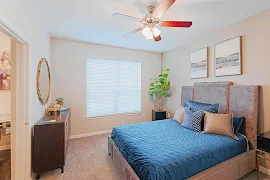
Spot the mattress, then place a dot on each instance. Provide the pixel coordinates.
(164, 150)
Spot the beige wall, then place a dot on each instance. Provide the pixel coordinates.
(5, 45)
(256, 62)
(69, 81)
(22, 16)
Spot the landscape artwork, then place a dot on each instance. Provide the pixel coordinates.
(5, 70)
(199, 63)
(228, 57)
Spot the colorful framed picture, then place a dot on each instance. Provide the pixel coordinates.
(228, 57)
(198, 63)
(5, 70)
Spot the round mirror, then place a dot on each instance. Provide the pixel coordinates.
(43, 81)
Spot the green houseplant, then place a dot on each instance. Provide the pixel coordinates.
(160, 86)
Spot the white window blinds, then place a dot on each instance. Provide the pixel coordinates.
(113, 87)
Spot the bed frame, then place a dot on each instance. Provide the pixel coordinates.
(236, 99)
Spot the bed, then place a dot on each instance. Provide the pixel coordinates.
(166, 150)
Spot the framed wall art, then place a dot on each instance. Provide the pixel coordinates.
(5, 70)
(228, 57)
(198, 63)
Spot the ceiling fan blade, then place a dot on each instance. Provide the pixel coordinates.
(184, 24)
(162, 8)
(157, 38)
(133, 32)
(127, 17)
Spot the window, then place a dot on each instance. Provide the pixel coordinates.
(112, 87)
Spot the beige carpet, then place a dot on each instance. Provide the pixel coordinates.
(87, 159)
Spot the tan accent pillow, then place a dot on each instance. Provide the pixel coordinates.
(179, 114)
(220, 124)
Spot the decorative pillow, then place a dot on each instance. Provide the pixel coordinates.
(220, 124)
(192, 120)
(185, 105)
(179, 114)
(237, 123)
(195, 106)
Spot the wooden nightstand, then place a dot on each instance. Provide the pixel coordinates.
(158, 115)
(263, 149)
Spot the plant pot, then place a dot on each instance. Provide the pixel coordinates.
(60, 103)
(158, 115)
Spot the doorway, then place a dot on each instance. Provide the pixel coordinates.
(15, 118)
(5, 107)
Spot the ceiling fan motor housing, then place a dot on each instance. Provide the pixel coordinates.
(149, 20)
(151, 8)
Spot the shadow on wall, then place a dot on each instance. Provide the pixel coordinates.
(155, 102)
(165, 100)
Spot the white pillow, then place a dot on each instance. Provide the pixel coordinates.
(179, 114)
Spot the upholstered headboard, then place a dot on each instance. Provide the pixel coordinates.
(186, 94)
(213, 93)
(244, 102)
(240, 100)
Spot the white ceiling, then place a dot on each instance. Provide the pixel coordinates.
(92, 21)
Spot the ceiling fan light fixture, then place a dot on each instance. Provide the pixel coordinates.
(149, 37)
(147, 32)
(151, 21)
(156, 31)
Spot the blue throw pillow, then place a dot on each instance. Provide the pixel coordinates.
(237, 123)
(192, 120)
(185, 105)
(195, 106)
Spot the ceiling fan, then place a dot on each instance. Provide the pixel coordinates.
(152, 20)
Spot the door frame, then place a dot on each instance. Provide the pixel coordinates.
(20, 108)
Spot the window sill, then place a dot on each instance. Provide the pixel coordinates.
(114, 115)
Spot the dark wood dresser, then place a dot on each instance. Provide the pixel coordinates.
(50, 142)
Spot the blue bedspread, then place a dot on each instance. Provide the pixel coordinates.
(164, 150)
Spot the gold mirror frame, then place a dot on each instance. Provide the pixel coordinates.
(41, 100)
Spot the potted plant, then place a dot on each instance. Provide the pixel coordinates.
(60, 101)
(160, 86)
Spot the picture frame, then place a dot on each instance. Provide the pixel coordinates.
(228, 57)
(5, 70)
(199, 63)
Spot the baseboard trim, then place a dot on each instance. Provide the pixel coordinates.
(89, 134)
(265, 170)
